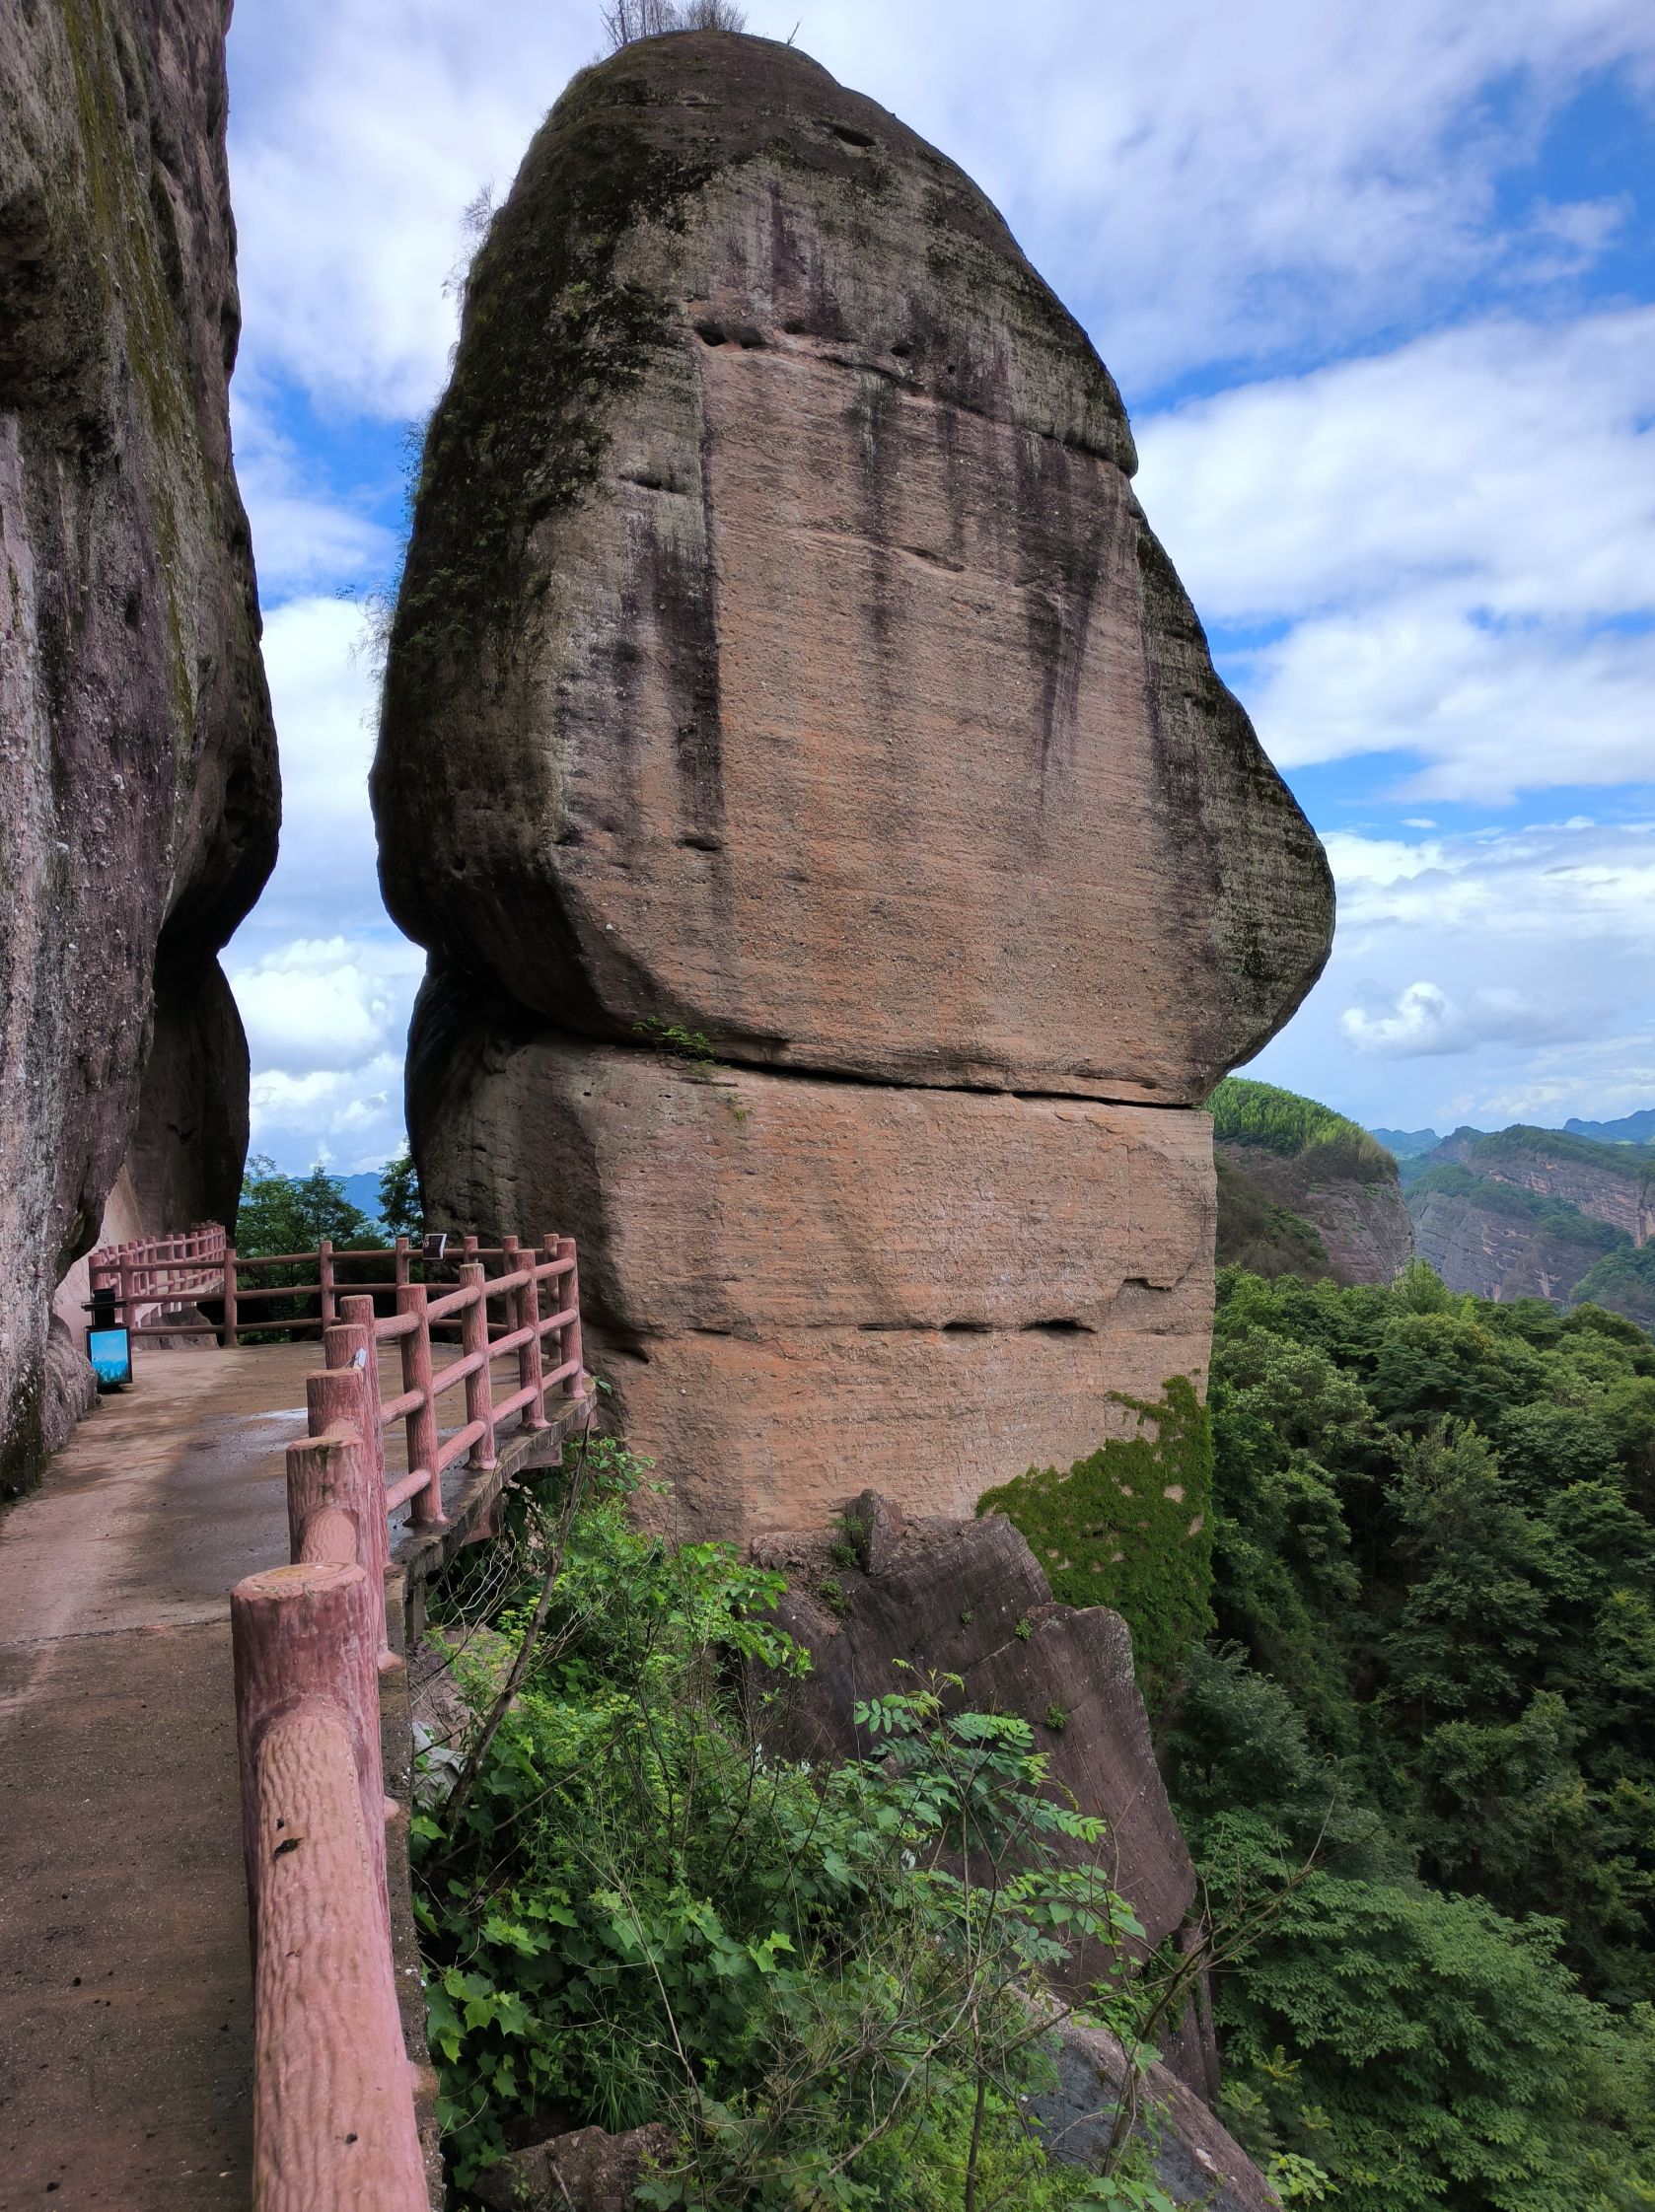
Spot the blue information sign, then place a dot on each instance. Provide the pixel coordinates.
(110, 1352)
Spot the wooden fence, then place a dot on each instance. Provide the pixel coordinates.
(335, 2126)
(165, 1275)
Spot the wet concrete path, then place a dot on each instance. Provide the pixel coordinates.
(126, 2028)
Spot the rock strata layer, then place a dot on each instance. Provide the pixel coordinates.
(785, 672)
(790, 1281)
(138, 795)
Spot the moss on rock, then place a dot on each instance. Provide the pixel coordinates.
(1130, 1526)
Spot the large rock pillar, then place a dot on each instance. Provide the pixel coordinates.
(843, 870)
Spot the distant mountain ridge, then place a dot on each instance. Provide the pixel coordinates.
(1632, 1128)
(1527, 1212)
(1405, 1144)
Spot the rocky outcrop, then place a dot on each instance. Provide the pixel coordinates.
(1197, 2161)
(785, 674)
(886, 1600)
(587, 2171)
(137, 776)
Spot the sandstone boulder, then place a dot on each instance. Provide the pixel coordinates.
(587, 2171)
(798, 1287)
(968, 1597)
(782, 651)
(137, 773)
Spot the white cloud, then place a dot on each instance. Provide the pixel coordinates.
(300, 539)
(1199, 183)
(350, 1120)
(319, 658)
(324, 983)
(1459, 537)
(327, 1004)
(1422, 1020)
(1521, 959)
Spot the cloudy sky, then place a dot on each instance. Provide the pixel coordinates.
(1379, 286)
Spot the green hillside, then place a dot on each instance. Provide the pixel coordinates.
(1419, 1744)
(1303, 1191)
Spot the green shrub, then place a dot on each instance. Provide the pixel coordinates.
(638, 1912)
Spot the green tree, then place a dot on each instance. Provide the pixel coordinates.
(401, 1209)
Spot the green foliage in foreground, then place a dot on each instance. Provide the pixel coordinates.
(1130, 1526)
(1248, 1113)
(818, 1978)
(1434, 1577)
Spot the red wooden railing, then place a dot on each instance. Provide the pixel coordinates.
(161, 1274)
(334, 2124)
(158, 1272)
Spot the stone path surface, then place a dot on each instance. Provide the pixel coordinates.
(126, 2028)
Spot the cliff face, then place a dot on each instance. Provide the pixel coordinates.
(785, 675)
(1612, 1183)
(138, 792)
(1539, 1213)
(1302, 1191)
(1499, 1241)
(1360, 1224)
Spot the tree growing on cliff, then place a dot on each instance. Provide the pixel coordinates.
(627, 20)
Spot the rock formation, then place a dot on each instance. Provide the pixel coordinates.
(138, 796)
(969, 1596)
(1310, 1217)
(840, 865)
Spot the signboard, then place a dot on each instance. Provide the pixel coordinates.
(110, 1352)
(435, 1243)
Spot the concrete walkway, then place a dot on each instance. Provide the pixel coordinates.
(126, 2033)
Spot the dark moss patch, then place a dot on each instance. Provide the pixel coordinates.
(552, 337)
(1130, 1526)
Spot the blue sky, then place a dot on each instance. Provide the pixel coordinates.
(1378, 288)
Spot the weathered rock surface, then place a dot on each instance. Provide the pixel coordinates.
(587, 2171)
(1497, 1241)
(928, 1592)
(782, 650)
(138, 798)
(1197, 2159)
(1614, 1183)
(797, 1286)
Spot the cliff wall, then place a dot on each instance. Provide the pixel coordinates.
(842, 868)
(138, 791)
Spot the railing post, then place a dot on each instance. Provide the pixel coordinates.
(228, 1333)
(334, 2115)
(426, 1511)
(127, 1305)
(325, 1280)
(353, 1334)
(571, 1347)
(479, 1384)
(399, 1264)
(530, 1370)
(338, 1406)
(306, 1632)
